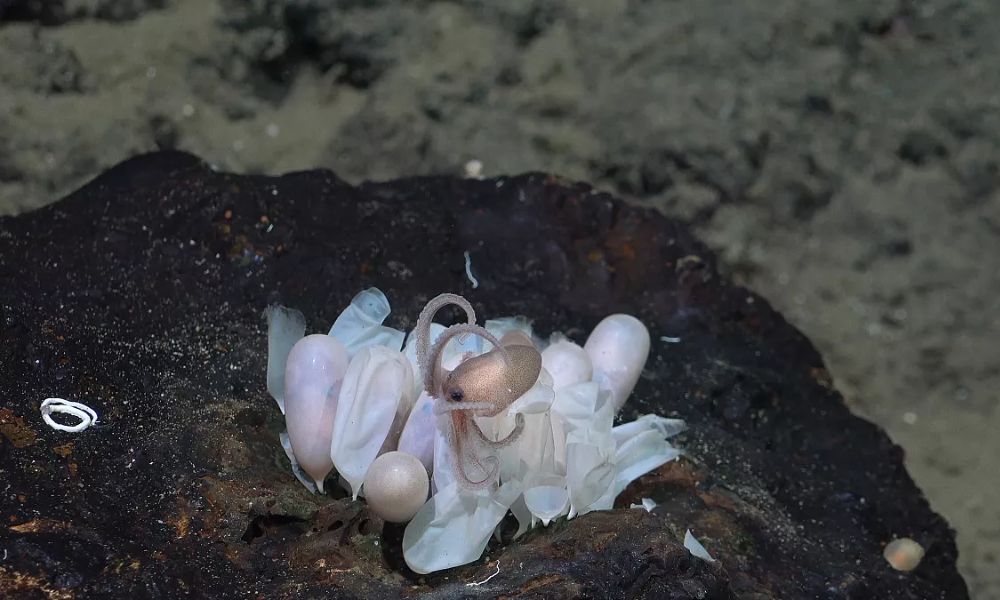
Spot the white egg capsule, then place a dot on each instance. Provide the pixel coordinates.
(417, 438)
(313, 376)
(373, 405)
(396, 486)
(567, 363)
(618, 348)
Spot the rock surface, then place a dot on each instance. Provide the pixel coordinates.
(142, 295)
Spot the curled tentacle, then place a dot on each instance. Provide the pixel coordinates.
(510, 439)
(423, 332)
(461, 454)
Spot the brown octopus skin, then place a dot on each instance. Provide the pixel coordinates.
(483, 386)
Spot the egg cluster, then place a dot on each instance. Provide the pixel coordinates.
(354, 402)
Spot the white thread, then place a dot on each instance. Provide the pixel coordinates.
(476, 583)
(468, 270)
(670, 340)
(83, 412)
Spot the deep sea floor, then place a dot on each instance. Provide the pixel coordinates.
(843, 158)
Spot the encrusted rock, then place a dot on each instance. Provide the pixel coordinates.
(142, 295)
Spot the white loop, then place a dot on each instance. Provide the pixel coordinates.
(83, 412)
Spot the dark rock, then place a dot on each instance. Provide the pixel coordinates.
(142, 294)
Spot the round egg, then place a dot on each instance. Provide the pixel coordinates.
(396, 486)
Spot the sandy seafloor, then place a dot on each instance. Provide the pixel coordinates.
(842, 157)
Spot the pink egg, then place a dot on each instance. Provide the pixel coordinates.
(618, 348)
(313, 376)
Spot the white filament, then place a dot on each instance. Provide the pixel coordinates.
(468, 270)
(83, 412)
(478, 583)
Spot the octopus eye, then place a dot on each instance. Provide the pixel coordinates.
(457, 395)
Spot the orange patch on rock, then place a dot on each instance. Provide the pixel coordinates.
(14, 584)
(40, 526)
(63, 450)
(15, 429)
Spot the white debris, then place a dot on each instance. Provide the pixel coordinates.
(695, 548)
(647, 503)
(478, 583)
(468, 271)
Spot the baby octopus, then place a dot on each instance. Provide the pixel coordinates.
(481, 386)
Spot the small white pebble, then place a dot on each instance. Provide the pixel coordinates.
(272, 130)
(187, 110)
(474, 169)
(910, 418)
(903, 554)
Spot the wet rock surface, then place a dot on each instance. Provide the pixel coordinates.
(142, 296)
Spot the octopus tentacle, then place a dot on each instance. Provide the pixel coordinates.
(443, 406)
(460, 424)
(423, 331)
(510, 439)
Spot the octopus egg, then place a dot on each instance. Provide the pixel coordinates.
(417, 438)
(567, 363)
(618, 348)
(396, 486)
(313, 376)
